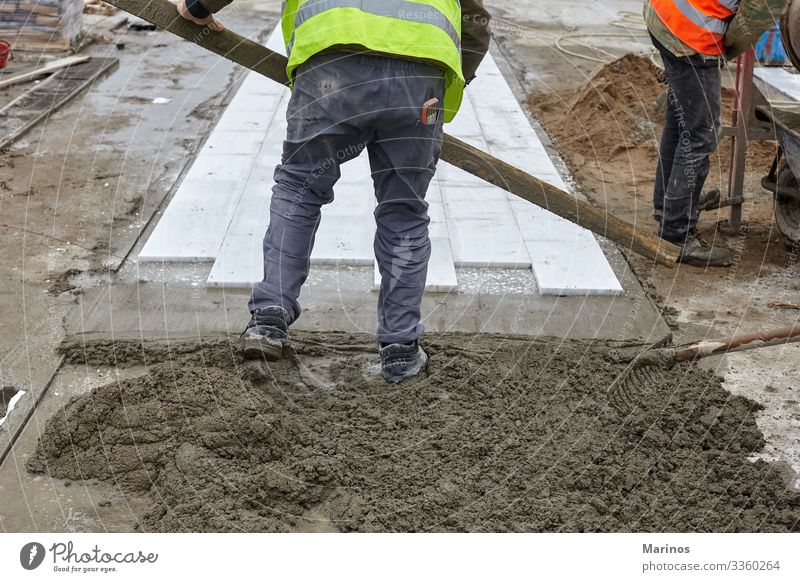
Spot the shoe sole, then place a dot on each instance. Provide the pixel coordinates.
(694, 263)
(408, 374)
(255, 349)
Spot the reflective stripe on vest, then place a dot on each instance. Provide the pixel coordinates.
(400, 9)
(700, 24)
(425, 30)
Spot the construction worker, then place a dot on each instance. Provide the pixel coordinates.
(695, 37)
(689, 36)
(380, 75)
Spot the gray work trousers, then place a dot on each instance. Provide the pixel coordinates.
(690, 136)
(341, 104)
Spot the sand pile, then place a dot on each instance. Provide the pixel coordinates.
(613, 112)
(504, 434)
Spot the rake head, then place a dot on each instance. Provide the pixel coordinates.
(645, 370)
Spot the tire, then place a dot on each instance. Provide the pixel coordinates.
(787, 208)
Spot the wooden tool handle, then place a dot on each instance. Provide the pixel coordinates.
(270, 64)
(739, 343)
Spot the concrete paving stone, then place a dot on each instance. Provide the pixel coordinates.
(344, 239)
(465, 125)
(448, 174)
(234, 142)
(252, 212)
(488, 241)
(193, 227)
(257, 84)
(218, 166)
(195, 222)
(240, 263)
(540, 225)
(462, 199)
(258, 105)
(510, 137)
(480, 218)
(240, 120)
(572, 268)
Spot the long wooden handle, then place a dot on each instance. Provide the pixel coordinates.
(738, 343)
(273, 65)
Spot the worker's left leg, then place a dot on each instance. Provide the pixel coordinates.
(403, 159)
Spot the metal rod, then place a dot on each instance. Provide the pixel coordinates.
(742, 112)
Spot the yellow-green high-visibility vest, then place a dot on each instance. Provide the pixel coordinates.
(428, 30)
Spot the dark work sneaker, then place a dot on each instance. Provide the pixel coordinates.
(696, 251)
(266, 334)
(400, 362)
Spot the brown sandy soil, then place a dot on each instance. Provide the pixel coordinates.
(505, 434)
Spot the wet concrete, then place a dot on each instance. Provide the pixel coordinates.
(501, 434)
(45, 503)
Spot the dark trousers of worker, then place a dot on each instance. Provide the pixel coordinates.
(342, 104)
(690, 136)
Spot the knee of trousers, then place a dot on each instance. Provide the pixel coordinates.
(403, 255)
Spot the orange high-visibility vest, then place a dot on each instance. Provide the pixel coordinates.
(700, 24)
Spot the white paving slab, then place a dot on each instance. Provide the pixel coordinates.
(572, 268)
(551, 241)
(781, 79)
(240, 263)
(195, 222)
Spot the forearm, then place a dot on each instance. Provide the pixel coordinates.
(475, 36)
(752, 19)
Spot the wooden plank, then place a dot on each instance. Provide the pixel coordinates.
(48, 68)
(36, 104)
(262, 60)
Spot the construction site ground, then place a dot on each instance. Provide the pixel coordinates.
(147, 419)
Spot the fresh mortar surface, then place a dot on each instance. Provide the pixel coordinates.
(504, 434)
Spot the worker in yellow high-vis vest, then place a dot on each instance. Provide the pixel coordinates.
(380, 75)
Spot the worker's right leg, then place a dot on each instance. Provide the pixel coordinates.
(403, 159)
(694, 93)
(320, 137)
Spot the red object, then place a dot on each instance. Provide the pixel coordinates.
(429, 111)
(5, 53)
(701, 24)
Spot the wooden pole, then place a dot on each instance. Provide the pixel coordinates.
(739, 343)
(258, 58)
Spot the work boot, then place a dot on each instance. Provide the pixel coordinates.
(709, 200)
(266, 334)
(399, 362)
(696, 251)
